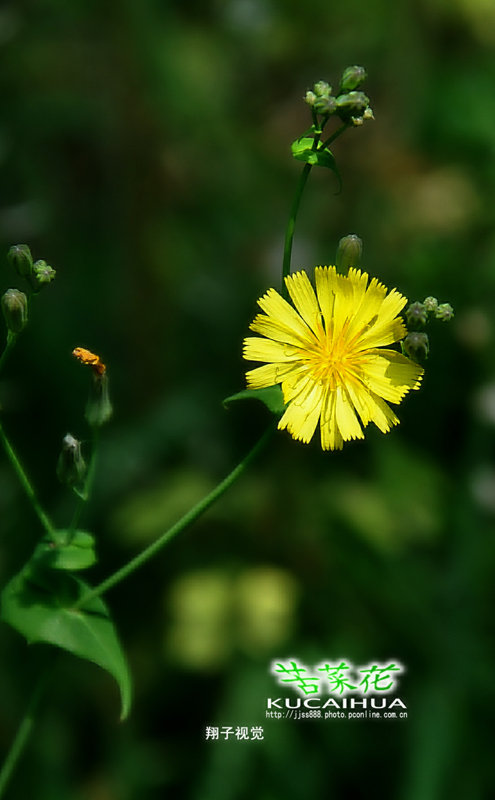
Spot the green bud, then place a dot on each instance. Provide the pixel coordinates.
(42, 275)
(325, 105)
(349, 252)
(444, 312)
(98, 408)
(431, 304)
(310, 98)
(352, 78)
(352, 105)
(19, 257)
(322, 89)
(416, 314)
(15, 310)
(71, 466)
(416, 345)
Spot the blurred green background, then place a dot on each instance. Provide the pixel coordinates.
(144, 152)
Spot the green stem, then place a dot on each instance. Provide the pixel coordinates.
(11, 340)
(25, 482)
(179, 526)
(88, 485)
(23, 733)
(291, 225)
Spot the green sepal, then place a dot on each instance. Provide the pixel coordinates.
(64, 552)
(302, 150)
(272, 397)
(39, 603)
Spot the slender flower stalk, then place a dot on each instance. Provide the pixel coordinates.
(84, 495)
(23, 732)
(184, 522)
(289, 234)
(25, 482)
(291, 224)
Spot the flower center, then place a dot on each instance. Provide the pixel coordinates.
(330, 361)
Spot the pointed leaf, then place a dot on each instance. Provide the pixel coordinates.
(39, 603)
(79, 553)
(272, 397)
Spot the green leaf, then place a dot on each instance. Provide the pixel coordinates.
(272, 397)
(79, 553)
(39, 604)
(302, 149)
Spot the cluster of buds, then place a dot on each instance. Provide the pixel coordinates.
(14, 302)
(350, 104)
(416, 344)
(38, 274)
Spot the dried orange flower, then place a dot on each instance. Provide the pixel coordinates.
(87, 357)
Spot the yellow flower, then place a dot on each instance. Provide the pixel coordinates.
(327, 354)
(87, 357)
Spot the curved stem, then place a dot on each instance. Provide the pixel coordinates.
(23, 733)
(25, 482)
(179, 526)
(289, 233)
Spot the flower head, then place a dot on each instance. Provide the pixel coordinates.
(87, 357)
(328, 353)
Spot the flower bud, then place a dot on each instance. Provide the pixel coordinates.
(352, 104)
(431, 304)
(416, 314)
(98, 408)
(42, 275)
(352, 78)
(71, 466)
(15, 310)
(322, 89)
(349, 252)
(444, 312)
(19, 257)
(416, 345)
(310, 98)
(325, 105)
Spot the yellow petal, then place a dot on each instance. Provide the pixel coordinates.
(303, 296)
(302, 415)
(389, 374)
(380, 334)
(366, 315)
(273, 329)
(330, 434)
(371, 408)
(267, 375)
(345, 416)
(325, 280)
(280, 311)
(256, 349)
